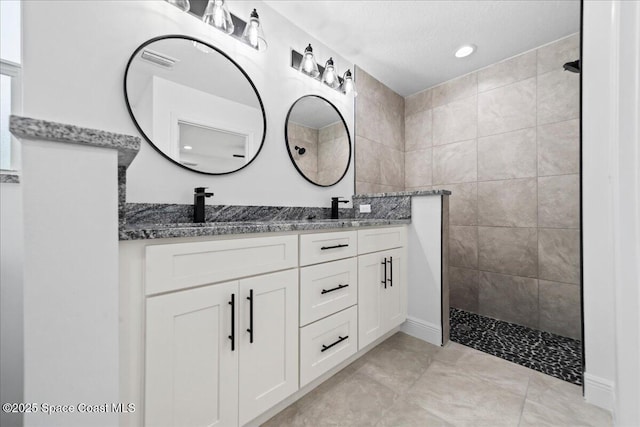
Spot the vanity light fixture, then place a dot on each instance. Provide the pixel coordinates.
(217, 14)
(330, 77)
(348, 85)
(306, 64)
(253, 33)
(465, 50)
(183, 5)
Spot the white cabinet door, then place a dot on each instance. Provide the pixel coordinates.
(268, 341)
(382, 294)
(394, 300)
(370, 294)
(191, 369)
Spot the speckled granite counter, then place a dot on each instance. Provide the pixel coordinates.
(28, 128)
(9, 178)
(390, 205)
(162, 231)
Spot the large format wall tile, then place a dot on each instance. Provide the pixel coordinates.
(367, 160)
(456, 121)
(508, 250)
(510, 298)
(506, 72)
(559, 255)
(417, 165)
(509, 203)
(374, 90)
(507, 155)
(463, 288)
(463, 246)
(560, 308)
(455, 163)
(363, 187)
(507, 108)
(417, 131)
(558, 96)
(418, 102)
(462, 87)
(559, 201)
(463, 203)
(553, 56)
(559, 148)
(392, 167)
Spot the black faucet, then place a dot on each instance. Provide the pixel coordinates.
(334, 206)
(198, 203)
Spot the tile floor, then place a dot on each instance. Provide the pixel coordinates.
(407, 382)
(545, 352)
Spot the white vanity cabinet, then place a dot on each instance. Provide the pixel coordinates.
(222, 353)
(382, 286)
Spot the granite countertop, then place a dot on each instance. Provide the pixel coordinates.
(162, 231)
(28, 128)
(405, 193)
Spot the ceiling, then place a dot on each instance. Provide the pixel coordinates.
(409, 45)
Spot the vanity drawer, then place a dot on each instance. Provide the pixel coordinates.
(323, 247)
(327, 288)
(326, 343)
(380, 239)
(182, 265)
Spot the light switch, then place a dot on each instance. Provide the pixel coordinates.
(365, 208)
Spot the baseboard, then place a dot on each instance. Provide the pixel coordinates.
(425, 331)
(599, 391)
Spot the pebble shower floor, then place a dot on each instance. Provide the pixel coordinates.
(545, 352)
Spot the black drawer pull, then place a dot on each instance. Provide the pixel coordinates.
(390, 279)
(250, 330)
(384, 279)
(324, 248)
(232, 337)
(327, 347)
(326, 291)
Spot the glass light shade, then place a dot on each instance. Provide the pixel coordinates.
(253, 33)
(348, 86)
(217, 14)
(183, 5)
(308, 64)
(330, 77)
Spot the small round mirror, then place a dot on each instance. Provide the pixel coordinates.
(318, 140)
(194, 105)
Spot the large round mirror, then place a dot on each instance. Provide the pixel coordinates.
(194, 104)
(318, 140)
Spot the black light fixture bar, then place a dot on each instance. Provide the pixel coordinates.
(296, 59)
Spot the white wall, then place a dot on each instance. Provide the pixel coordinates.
(611, 206)
(11, 299)
(75, 54)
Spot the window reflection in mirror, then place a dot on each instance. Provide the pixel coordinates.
(318, 140)
(184, 93)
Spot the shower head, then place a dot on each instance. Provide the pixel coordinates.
(573, 66)
(300, 150)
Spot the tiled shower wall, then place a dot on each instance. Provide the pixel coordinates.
(379, 137)
(505, 141)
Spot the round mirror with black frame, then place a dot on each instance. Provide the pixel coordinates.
(194, 104)
(318, 140)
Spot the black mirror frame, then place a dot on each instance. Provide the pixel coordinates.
(286, 140)
(144, 135)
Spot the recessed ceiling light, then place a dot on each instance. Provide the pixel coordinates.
(465, 50)
(187, 147)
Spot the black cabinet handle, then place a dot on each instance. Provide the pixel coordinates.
(327, 347)
(250, 330)
(390, 279)
(326, 291)
(232, 337)
(324, 248)
(384, 279)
